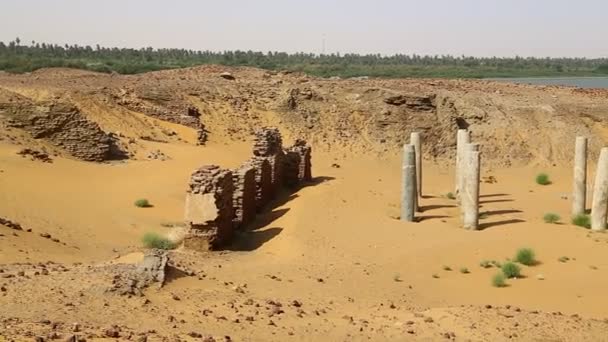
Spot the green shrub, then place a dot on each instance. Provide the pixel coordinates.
(436, 276)
(450, 195)
(153, 240)
(543, 179)
(511, 270)
(464, 270)
(525, 256)
(499, 280)
(485, 264)
(447, 268)
(582, 220)
(496, 263)
(551, 218)
(142, 203)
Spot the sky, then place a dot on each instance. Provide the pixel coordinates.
(505, 28)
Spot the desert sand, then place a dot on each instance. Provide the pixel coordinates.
(330, 261)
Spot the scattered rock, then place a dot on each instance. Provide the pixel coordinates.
(227, 76)
(35, 155)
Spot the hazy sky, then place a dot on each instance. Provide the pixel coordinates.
(471, 27)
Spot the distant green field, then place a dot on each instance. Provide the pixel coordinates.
(17, 58)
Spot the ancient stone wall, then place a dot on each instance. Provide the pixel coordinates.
(269, 144)
(209, 209)
(305, 166)
(219, 201)
(291, 169)
(244, 196)
(263, 181)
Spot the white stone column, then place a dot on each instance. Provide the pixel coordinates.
(470, 190)
(599, 204)
(416, 140)
(579, 192)
(408, 191)
(463, 137)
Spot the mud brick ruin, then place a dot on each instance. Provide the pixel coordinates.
(269, 144)
(304, 166)
(263, 182)
(291, 169)
(209, 210)
(219, 201)
(244, 196)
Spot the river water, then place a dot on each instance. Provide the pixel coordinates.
(581, 82)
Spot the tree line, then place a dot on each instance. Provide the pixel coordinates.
(17, 57)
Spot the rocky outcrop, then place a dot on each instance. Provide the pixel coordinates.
(62, 125)
(133, 279)
(160, 103)
(10, 224)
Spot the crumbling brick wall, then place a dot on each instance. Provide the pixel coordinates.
(263, 181)
(220, 200)
(268, 144)
(209, 208)
(291, 169)
(305, 152)
(244, 196)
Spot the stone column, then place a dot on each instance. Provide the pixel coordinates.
(462, 139)
(416, 140)
(599, 205)
(408, 191)
(579, 192)
(470, 188)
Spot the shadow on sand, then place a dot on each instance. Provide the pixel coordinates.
(251, 240)
(487, 225)
(256, 234)
(435, 206)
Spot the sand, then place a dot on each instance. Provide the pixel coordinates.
(336, 246)
(328, 262)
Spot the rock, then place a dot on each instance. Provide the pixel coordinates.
(63, 125)
(112, 332)
(157, 155)
(35, 155)
(227, 76)
(71, 338)
(10, 224)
